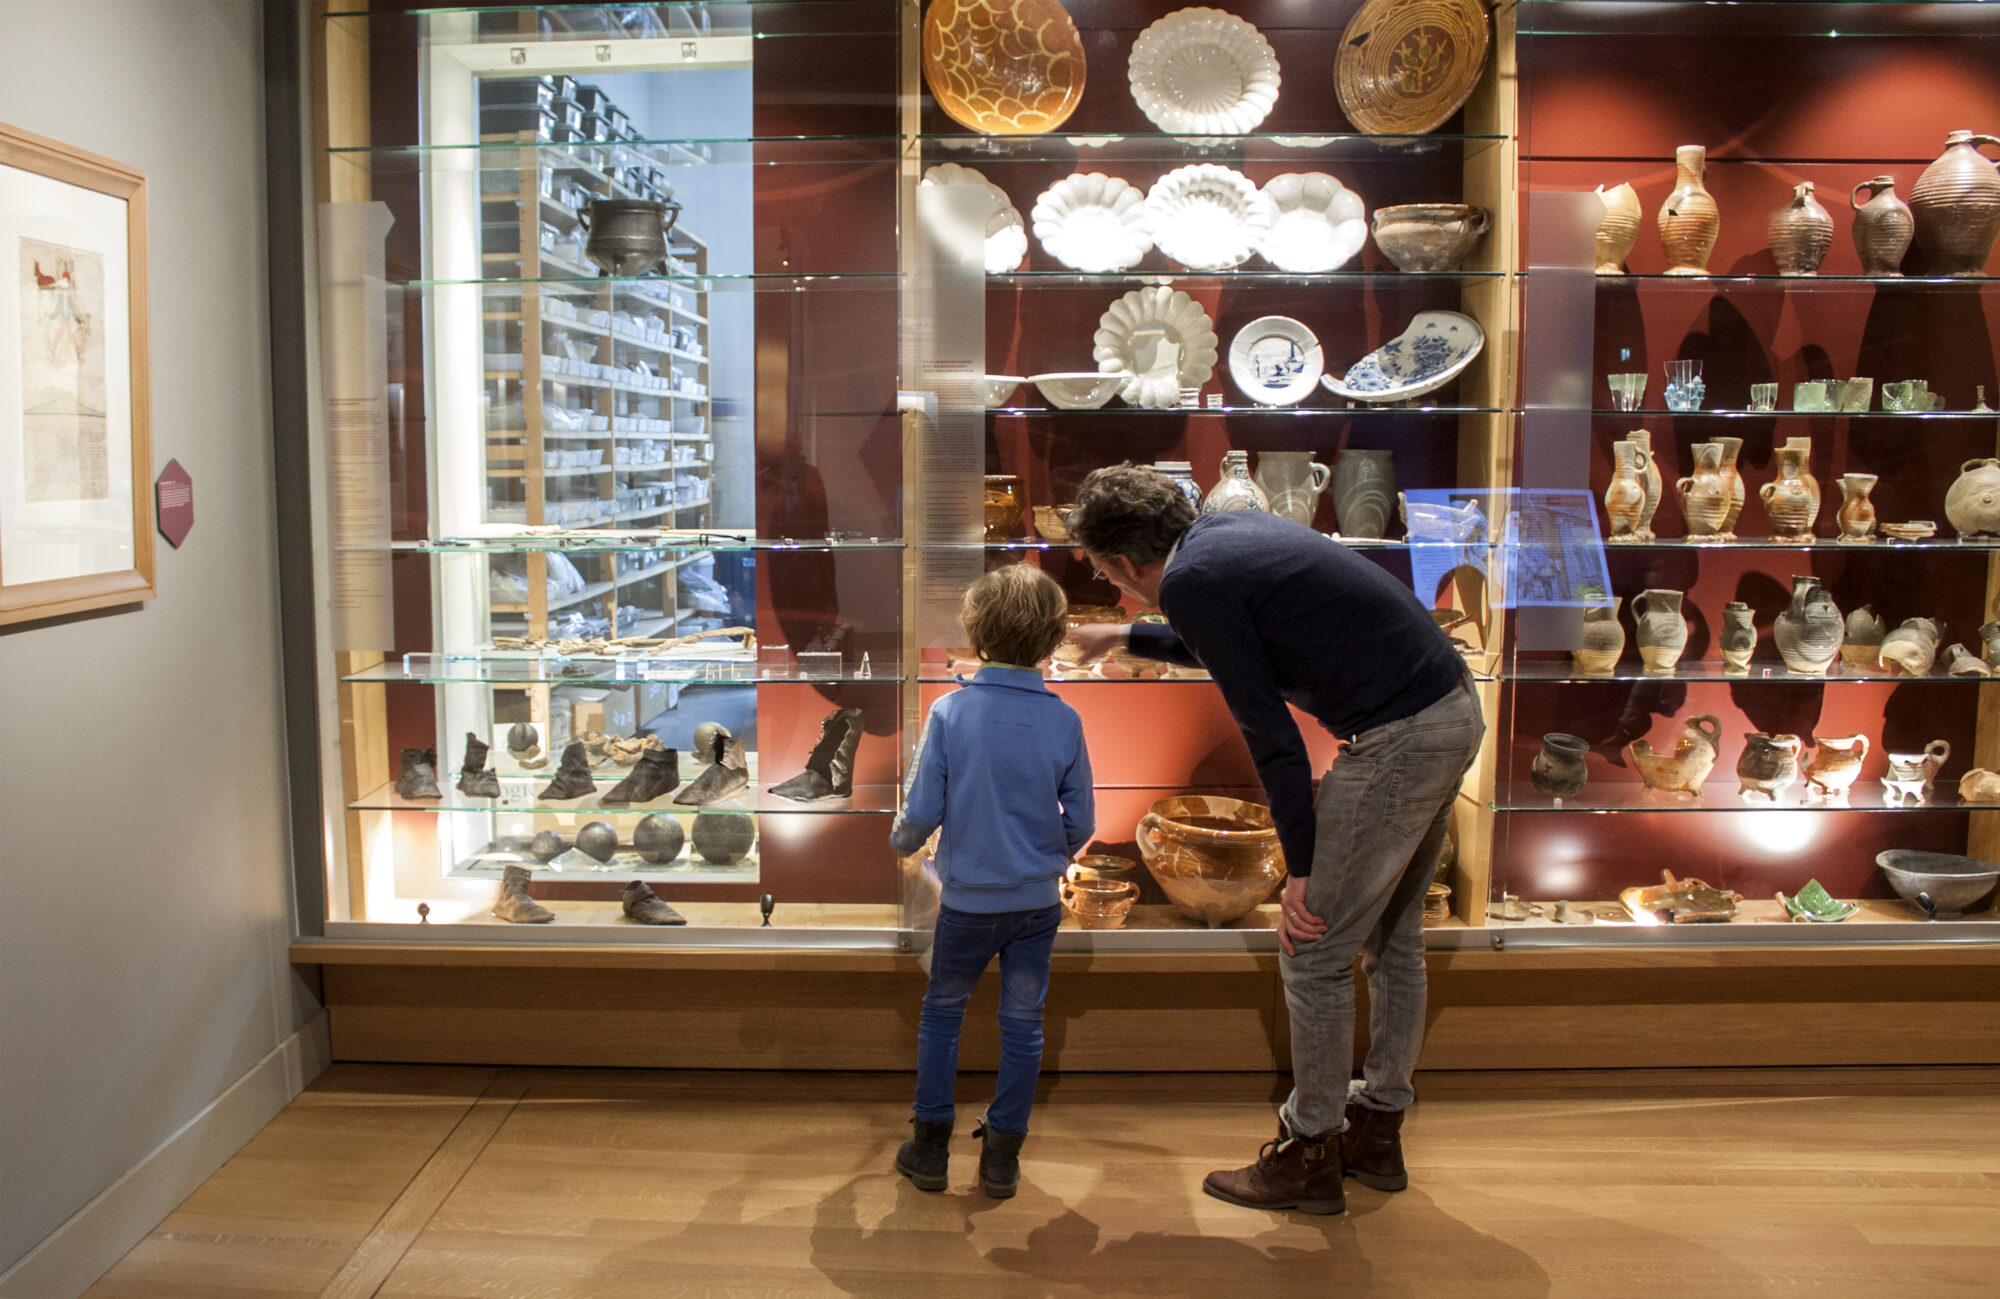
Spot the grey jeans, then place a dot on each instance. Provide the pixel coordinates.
(1383, 810)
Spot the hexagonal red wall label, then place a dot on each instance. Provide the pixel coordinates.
(173, 500)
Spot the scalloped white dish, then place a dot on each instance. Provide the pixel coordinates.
(1094, 223)
(1006, 232)
(1207, 217)
(1157, 341)
(1426, 356)
(1077, 389)
(1276, 361)
(1202, 71)
(1317, 223)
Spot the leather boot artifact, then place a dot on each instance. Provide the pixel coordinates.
(999, 1160)
(925, 1158)
(572, 778)
(829, 770)
(514, 905)
(659, 770)
(475, 779)
(1371, 1149)
(1291, 1172)
(417, 776)
(647, 907)
(728, 773)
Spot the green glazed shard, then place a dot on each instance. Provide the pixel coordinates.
(1813, 903)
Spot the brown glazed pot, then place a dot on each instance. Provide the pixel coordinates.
(1883, 226)
(1429, 236)
(1956, 203)
(1217, 859)
(1800, 233)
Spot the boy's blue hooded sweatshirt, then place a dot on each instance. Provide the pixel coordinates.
(1002, 766)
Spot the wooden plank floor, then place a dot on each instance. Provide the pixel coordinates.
(533, 1184)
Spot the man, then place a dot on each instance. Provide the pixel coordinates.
(1277, 613)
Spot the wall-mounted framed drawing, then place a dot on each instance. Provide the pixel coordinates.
(75, 452)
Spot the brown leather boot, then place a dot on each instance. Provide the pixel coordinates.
(1372, 1148)
(1291, 1172)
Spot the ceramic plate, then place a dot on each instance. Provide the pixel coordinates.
(1202, 71)
(1275, 360)
(1405, 66)
(1159, 340)
(1004, 67)
(1423, 358)
(1317, 224)
(1006, 233)
(1207, 218)
(1094, 223)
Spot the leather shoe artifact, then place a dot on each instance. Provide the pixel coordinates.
(647, 907)
(417, 776)
(829, 770)
(475, 778)
(1291, 1172)
(572, 778)
(728, 772)
(659, 770)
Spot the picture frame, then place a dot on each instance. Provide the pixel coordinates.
(76, 520)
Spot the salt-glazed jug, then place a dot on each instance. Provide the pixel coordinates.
(1733, 478)
(1234, 488)
(1619, 229)
(1883, 226)
(1705, 494)
(1769, 765)
(1792, 498)
(1689, 219)
(1808, 633)
(1800, 233)
(1973, 503)
(1956, 203)
(1601, 643)
(1292, 481)
(1738, 638)
(1625, 496)
(1663, 632)
(1682, 769)
(1364, 482)
(1857, 512)
(1643, 439)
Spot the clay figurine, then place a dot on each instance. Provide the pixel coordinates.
(1692, 758)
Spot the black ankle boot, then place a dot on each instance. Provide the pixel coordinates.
(647, 907)
(829, 770)
(659, 770)
(728, 772)
(925, 1158)
(572, 778)
(1371, 1148)
(417, 776)
(999, 1160)
(474, 779)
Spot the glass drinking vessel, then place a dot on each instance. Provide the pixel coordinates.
(1911, 394)
(1627, 390)
(1816, 395)
(1855, 394)
(1763, 396)
(1684, 386)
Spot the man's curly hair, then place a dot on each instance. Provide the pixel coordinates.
(1129, 510)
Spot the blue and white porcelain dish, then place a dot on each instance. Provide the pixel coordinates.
(1276, 361)
(1426, 356)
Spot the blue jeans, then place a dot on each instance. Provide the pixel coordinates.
(965, 942)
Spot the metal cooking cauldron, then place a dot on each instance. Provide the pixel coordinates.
(628, 236)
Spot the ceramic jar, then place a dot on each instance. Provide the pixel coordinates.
(1705, 493)
(1989, 639)
(1619, 229)
(1863, 642)
(1181, 474)
(1560, 769)
(1800, 233)
(1769, 765)
(1857, 512)
(1731, 448)
(1911, 647)
(1428, 236)
(1682, 770)
(1216, 859)
(1234, 488)
(1808, 633)
(1625, 497)
(1883, 226)
(1956, 203)
(1792, 498)
(1662, 631)
(1292, 482)
(1602, 642)
(627, 236)
(1004, 505)
(1836, 761)
(1364, 482)
(1910, 775)
(1689, 219)
(1973, 503)
(1643, 439)
(1738, 639)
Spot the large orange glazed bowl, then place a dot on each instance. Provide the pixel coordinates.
(1216, 859)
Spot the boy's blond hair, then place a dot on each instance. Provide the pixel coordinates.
(1015, 614)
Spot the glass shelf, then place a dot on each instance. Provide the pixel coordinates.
(935, 676)
(595, 541)
(1718, 794)
(597, 159)
(1222, 279)
(1785, 281)
(574, 867)
(1802, 414)
(1561, 672)
(759, 282)
(1825, 544)
(519, 795)
(1258, 412)
(570, 9)
(1737, 19)
(1352, 543)
(496, 668)
(1151, 147)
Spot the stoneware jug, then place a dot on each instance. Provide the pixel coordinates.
(1769, 765)
(1689, 219)
(1912, 647)
(1973, 503)
(1883, 226)
(1559, 770)
(1800, 233)
(1619, 230)
(1663, 632)
(1234, 488)
(1603, 641)
(1731, 448)
(1181, 474)
(1705, 493)
(1792, 498)
(1364, 482)
(1682, 769)
(1808, 633)
(1863, 641)
(1292, 481)
(1857, 512)
(1956, 203)
(1643, 439)
(1738, 638)
(1836, 761)
(1625, 497)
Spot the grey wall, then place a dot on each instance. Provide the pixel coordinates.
(144, 887)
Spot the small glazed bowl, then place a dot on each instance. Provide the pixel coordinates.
(1103, 866)
(1049, 525)
(1077, 389)
(1429, 236)
(1099, 903)
(995, 389)
(1938, 885)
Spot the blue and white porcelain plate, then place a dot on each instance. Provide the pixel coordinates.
(1423, 358)
(1275, 360)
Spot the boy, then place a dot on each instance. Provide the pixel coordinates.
(1002, 767)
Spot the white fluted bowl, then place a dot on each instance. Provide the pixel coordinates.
(1203, 72)
(1158, 341)
(1317, 223)
(1006, 232)
(1093, 223)
(1207, 217)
